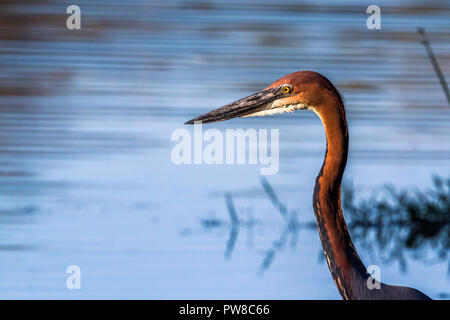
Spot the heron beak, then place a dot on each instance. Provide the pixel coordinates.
(243, 107)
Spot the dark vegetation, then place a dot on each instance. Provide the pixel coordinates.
(394, 222)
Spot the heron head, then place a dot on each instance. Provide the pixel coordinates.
(300, 90)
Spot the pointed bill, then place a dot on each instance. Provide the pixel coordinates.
(243, 107)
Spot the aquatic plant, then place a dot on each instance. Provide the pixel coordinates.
(394, 222)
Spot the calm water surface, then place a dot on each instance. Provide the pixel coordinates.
(86, 118)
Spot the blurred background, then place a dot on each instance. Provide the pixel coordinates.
(85, 171)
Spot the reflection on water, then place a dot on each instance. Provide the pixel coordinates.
(403, 222)
(234, 230)
(389, 225)
(290, 232)
(85, 124)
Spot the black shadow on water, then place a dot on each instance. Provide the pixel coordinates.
(234, 230)
(290, 232)
(390, 225)
(394, 223)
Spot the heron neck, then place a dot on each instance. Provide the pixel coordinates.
(347, 269)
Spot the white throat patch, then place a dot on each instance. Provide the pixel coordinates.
(275, 108)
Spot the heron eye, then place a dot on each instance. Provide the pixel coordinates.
(286, 89)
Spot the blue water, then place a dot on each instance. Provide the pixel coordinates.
(86, 118)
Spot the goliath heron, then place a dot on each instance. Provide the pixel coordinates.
(308, 90)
